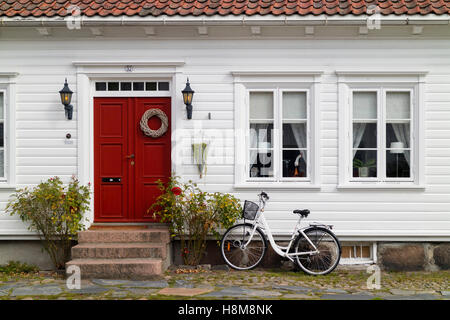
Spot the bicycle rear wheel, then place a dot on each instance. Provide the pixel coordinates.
(323, 262)
(240, 253)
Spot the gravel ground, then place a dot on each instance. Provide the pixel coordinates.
(342, 284)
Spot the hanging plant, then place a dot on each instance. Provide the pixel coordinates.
(199, 152)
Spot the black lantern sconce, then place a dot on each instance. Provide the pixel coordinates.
(188, 93)
(66, 97)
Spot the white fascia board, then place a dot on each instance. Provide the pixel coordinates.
(230, 20)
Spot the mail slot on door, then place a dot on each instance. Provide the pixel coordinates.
(110, 179)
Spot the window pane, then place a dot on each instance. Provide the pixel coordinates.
(261, 135)
(100, 86)
(397, 163)
(364, 163)
(138, 86)
(1, 105)
(261, 105)
(397, 135)
(294, 163)
(294, 105)
(150, 86)
(163, 86)
(364, 135)
(2, 163)
(294, 135)
(125, 86)
(2, 140)
(364, 105)
(261, 164)
(398, 105)
(113, 86)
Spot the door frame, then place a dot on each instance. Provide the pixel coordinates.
(88, 72)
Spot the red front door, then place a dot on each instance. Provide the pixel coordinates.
(128, 163)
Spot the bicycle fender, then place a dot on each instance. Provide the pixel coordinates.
(324, 227)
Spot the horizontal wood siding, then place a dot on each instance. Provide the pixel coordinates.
(41, 127)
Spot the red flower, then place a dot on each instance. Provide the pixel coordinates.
(176, 191)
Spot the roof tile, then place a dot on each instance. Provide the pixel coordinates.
(39, 8)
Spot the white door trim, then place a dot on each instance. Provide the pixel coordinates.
(89, 71)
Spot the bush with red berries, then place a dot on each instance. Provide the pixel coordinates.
(193, 215)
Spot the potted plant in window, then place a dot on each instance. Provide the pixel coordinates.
(363, 167)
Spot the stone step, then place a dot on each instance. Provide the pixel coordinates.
(119, 250)
(127, 225)
(118, 268)
(157, 235)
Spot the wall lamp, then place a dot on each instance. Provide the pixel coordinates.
(66, 97)
(188, 93)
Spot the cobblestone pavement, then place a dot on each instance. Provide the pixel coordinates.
(257, 284)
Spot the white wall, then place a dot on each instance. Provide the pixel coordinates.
(41, 127)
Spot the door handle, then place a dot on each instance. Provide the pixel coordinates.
(131, 156)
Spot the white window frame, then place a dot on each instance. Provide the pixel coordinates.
(8, 89)
(276, 82)
(5, 144)
(131, 93)
(381, 82)
(360, 260)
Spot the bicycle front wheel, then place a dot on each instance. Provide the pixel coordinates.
(239, 251)
(329, 251)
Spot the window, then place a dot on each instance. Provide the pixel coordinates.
(132, 86)
(2, 135)
(358, 253)
(382, 134)
(278, 111)
(380, 129)
(7, 132)
(276, 125)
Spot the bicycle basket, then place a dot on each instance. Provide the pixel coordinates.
(250, 210)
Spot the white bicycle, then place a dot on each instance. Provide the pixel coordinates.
(314, 248)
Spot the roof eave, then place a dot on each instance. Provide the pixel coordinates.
(270, 20)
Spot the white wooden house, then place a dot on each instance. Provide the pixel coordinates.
(291, 100)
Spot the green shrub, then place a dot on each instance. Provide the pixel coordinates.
(194, 214)
(17, 267)
(55, 211)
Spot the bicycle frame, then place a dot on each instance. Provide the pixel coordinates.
(280, 250)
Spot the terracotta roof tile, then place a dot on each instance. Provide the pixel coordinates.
(39, 8)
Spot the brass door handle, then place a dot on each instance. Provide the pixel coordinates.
(131, 156)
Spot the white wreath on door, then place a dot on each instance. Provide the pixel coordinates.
(164, 123)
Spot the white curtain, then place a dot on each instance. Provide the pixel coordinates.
(402, 134)
(259, 133)
(253, 143)
(358, 132)
(299, 132)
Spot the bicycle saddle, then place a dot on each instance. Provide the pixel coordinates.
(303, 213)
